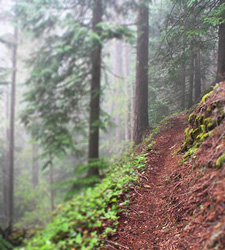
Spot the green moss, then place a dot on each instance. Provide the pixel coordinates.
(197, 132)
(202, 123)
(205, 97)
(191, 117)
(220, 161)
(201, 137)
(210, 123)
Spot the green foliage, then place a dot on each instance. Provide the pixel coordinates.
(4, 245)
(57, 100)
(157, 109)
(175, 40)
(85, 221)
(32, 206)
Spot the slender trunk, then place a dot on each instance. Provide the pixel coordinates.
(191, 80)
(203, 85)
(141, 122)
(12, 127)
(93, 152)
(6, 160)
(118, 65)
(203, 79)
(197, 77)
(221, 50)
(35, 167)
(51, 188)
(128, 96)
(132, 105)
(183, 85)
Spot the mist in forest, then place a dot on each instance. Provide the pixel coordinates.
(81, 82)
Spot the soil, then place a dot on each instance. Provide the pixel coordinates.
(174, 205)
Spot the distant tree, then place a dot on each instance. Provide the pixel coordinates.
(66, 73)
(141, 122)
(221, 48)
(35, 166)
(191, 78)
(12, 129)
(197, 76)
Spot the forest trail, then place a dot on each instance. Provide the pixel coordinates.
(147, 222)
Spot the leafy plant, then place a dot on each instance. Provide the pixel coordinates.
(4, 245)
(85, 221)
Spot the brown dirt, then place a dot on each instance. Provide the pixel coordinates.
(174, 206)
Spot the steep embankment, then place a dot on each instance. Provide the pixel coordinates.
(154, 199)
(181, 205)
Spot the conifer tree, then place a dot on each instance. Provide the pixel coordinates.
(12, 129)
(94, 123)
(221, 47)
(141, 122)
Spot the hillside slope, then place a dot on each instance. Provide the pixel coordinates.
(181, 205)
(156, 198)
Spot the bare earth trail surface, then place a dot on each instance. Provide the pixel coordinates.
(179, 205)
(147, 222)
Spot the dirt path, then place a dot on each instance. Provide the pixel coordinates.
(146, 224)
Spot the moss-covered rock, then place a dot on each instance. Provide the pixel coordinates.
(208, 115)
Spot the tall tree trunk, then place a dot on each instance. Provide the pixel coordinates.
(197, 77)
(35, 167)
(221, 50)
(51, 177)
(183, 86)
(128, 125)
(191, 80)
(94, 124)
(12, 128)
(118, 67)
(203, 79)
(203, 73)
(6, 160)
(141, 122)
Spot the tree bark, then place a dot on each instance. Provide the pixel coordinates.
(6, 160)
(221, 50)
(51, 186)
(197, 77)
(183, 86)
(128, 122)
(94, 123)
(191, 80)
(119, 75)
(141, 122)
(12, 128)
(35, 167)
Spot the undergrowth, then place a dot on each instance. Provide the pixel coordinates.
(4, 245)
(86, 221)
